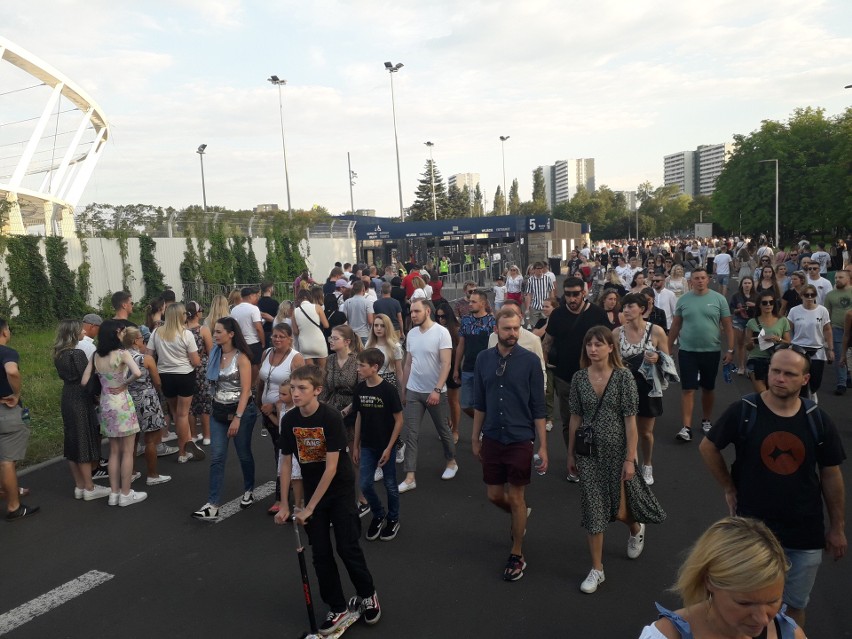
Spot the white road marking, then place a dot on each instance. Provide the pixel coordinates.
(233, 507)
(50, 600)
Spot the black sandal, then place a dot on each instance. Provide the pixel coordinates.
(514, 568)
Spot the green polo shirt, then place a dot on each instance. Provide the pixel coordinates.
(702, 316)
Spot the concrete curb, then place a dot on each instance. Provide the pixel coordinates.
(39, 466)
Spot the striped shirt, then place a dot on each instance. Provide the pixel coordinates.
(539, 289)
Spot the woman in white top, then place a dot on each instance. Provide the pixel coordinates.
(275, 368)
(514, 284)
(676, 282)
(285, 313)
(810, 325)
(420, 292)
(384, 337)
(176, 352)
(308, 321)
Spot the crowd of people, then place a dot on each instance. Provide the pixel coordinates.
(341, 377)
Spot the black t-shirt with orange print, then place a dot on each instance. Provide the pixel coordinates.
(310, 439)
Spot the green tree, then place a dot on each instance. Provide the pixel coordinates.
(28, 280)
(67, 302)
(422, 208)
(189, 267)
(218, 268)
(467, 199)
(152, 276)
(514, 198)
(252, 268)
(539, 194)
(499, 202)
(478, 205)
(240, 259)
(457, 204)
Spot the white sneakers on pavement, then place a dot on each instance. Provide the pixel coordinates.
(648, 475)
(590, 584)
(636, 543)
(450, 472)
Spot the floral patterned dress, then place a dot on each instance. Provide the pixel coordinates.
(118, 413)
(202, 400)
(149, 411)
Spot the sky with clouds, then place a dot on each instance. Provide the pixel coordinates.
(624, 83)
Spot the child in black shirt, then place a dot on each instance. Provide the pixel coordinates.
(378, 421)
(315, 433)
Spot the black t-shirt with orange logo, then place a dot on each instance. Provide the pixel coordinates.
(776, 471)
(310, 439)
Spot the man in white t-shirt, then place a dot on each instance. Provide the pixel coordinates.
(91, 328)
(247, 315)
(822, 285)
(722, 270)
(359, 311)
(424, 377)
(664, 298)
(822, 258)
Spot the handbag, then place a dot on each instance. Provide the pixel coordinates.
(584, 436)
(223, 413)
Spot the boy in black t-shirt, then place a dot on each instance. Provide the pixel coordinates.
(315, 433)
(378, 421)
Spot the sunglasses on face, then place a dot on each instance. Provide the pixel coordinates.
(813, 268)
(809, 296)
(767, 302)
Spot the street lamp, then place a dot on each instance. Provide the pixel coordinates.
(777, 238)
(432, 170)
(352, 176)
(200, 152)
(503, 139)
(273, 79)
(394, 68)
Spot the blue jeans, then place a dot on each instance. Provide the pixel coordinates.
(841, 373)
(219, 452)
(369, 462)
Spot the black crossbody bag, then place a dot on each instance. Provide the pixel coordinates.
(584, 436)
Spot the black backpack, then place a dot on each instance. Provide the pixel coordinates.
(748, 418)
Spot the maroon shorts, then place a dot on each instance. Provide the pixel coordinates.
(506, 463)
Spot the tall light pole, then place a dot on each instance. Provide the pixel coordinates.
(352, 176)
(503, 139)
(432, 170)
(280, 83)
(200, 152)
(394, 68)
(777, 237)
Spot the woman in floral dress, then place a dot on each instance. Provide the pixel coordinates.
(118, 418)
(202, 402)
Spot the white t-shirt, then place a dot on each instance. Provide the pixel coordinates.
(722, 264)
(514, 284)
(246, 315)
(824, 259)
(173, 356)
(823, 287)
(808, 328)
(667, 301)
(87, 345)
(425, 350)
(499, 294)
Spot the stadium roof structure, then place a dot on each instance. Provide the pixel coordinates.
(52, 134)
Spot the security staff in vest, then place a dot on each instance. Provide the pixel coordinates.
(787, 464)
(444, 266)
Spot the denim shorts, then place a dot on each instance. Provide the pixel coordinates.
(722, 280)
(466, 400)
(804, 565)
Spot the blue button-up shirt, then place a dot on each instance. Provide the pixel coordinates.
(513, 400)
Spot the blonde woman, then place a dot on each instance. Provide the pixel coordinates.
(419, 289)
(676, 282)
(177, 357)
(514, 284)
(234, 297)
(736, 560)
(218, 309)
(384, 337)
(285, 314)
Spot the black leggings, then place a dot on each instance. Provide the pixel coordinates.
(817, 368)
(274, 435)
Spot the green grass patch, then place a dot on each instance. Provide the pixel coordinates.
(41, 390)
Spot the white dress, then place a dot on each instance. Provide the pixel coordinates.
(312, 344)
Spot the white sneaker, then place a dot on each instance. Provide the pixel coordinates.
(706, 425)
(636, 543)
(450, 472)
(591, 583)
(400, 454)
(97, 492)
(684, 434)
(113, 499)
(170, 436)
(648, 475)
(206, 441)
(379, 475)
(162, 479)
(131, 498)
(405, 486)
(548, 426)
(78, 493)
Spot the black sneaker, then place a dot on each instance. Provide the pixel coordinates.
(363, 509)
(390, 529)
(372, 612)
(375, 528)
(28, 511)
(101, 473)
(840, 390)
(333, 621)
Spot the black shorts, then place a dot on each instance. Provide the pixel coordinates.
(506, 463)
(759, 368)
(695, 363)
(648, 406)
(256, 353)
(178, 384)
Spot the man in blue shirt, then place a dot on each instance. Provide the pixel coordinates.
(509, 411)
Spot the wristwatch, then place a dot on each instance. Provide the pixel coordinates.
(238, 415)
(730, 350)
(437, 390)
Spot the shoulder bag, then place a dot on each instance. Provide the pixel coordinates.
(584, 436)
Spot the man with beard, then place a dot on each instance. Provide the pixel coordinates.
(424, 377)
(509, 411)
(788, 455)
(563, 342)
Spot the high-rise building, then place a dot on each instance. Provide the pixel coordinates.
(679, 169)
(711, 160)
(562, 178)
(629, 199)
(696, 172)
(461, 180)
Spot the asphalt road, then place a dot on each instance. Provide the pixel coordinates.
(161, 573)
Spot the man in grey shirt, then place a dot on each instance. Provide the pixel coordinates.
(359, 311)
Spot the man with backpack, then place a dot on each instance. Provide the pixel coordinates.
(787, 464)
